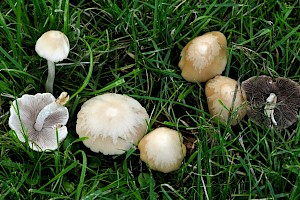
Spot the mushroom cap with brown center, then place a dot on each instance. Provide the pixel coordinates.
(220, 92)
(258, 88)
(112, 123)
(204, 57)
(162, 149)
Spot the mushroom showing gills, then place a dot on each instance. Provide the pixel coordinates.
(204, 57)
(54, 47)
(40, 119)
(225, 99)
(162, 149)
(112, 123)
(272, 102)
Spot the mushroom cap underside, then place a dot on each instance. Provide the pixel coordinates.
(258, 88)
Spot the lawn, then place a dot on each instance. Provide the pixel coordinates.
(133, 48)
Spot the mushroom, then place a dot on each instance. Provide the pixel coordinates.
(204, 57)
(40, 119)
(54, 47)
(273, 102)
(112, 123)
(225, 99)
(162, 149)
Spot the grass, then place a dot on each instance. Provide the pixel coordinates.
(133, 47)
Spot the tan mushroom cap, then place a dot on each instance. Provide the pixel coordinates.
(204, 57)
(162, 149)
(222, 88)
(53, 45)
(113, 123)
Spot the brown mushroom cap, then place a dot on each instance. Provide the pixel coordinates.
(257, 89)
(204, 57)
(162, 149)
(222, 88)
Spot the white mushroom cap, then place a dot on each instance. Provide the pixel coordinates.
(204, 57)
(222, 88)
(162, 149)
(24, 113)
(112, 122)
(53, 46)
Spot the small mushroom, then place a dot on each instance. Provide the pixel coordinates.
(272, 102)
(54, 47)
(225, 99)
(162, 149)
(41, 118)
(112, 123)
(204, 57)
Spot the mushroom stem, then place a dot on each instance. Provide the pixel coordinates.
(50, 109)
(269, 107)
(51, 75)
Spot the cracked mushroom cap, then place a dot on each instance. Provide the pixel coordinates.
(272, 102)
(204, 57)
(222, 88)
(112, 123)
(162, 149)
(40, 118)
(53, 46)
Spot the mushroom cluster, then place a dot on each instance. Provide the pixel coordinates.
(40, 119)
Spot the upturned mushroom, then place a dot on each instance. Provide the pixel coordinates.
(112, 123)
(40, 119)
(204, 57)
(162, 149)
(54, 47)
(225, 99)
(273, 102)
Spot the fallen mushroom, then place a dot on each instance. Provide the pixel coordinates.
(162, 149)
(273, 102)
(41, 119)
(112, 123)
(54, 47)
(225, 99)
(204, 57)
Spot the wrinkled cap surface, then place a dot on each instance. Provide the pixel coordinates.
(257, 89)
(28, 107)
(113, 123)
(53, 46)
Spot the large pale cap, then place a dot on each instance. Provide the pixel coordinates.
(162, 149)
(113, 123)
(53, 46)
(204, 57)
(221, 94)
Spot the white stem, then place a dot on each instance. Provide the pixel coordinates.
(45, 112)
(49, 109)
(269, 107)
(51, 76)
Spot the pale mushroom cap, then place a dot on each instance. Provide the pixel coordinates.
(23, 113)
(222, 88)
(162, 149)
(112, 122)
(53, 46)
(204, 57)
